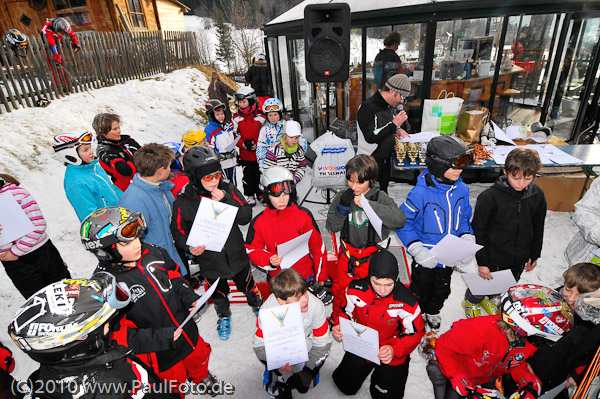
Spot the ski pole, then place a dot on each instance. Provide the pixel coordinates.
(583, 388)
(76, 81)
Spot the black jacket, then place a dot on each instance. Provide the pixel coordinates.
(259, 77)
(375, 124)
(116, 158)
(233, 258)
(554, 363)
(160, 301)
(115, 371)
(509, 224)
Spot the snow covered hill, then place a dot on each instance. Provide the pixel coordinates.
(161, 109)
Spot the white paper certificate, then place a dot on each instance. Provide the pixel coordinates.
(199, 303)
(293, 250)
(500, 283)
(212, 225)
(375, 220)
(451, 250)
(360, 340)
(15, 223)
(283, 334)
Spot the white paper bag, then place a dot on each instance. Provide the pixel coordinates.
(441, 115)
(329, 169)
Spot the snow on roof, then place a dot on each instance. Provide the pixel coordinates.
(297, 13)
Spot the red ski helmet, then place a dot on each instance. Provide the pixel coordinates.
(536, 311)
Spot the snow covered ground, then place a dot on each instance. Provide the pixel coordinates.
(158, 110)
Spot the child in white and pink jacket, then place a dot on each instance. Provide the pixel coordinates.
(31, 261)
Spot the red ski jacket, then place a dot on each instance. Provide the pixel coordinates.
(273, 226)
(52, 36)
(475, 351)
(248, 126)
(397, 317)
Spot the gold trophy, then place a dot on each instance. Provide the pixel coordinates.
(413, 152)
(400, 149)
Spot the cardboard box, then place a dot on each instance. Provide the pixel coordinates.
(562, 190)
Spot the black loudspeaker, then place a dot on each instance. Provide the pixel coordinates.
(327, 42)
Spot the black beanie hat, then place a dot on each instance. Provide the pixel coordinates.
(383, 264)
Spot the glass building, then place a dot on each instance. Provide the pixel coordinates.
(524, 60)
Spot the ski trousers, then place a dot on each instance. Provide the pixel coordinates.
(244, 282)
(431, 287)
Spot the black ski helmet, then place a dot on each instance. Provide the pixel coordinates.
(18, 42)
(64, 322)
(441, 151)
(212, 106)
(275, 181)
(200, 161)
(103, 229)
(384, 264)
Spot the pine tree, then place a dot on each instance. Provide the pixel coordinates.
(225, 48)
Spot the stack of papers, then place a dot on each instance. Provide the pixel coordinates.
(549, 154)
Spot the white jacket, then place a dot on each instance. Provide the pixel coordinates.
(587, 218)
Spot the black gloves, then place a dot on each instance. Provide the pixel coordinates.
(249, 143)
(347, 197)
(76, 47)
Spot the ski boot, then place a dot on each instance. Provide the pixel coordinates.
(210, 381)
(433, 322)
(490, 306)
(471, 309)
(276, 388)
(317, 290)
(224, 327)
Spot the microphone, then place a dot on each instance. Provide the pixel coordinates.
(405, 125)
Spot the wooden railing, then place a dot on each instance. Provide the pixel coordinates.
(105, 59)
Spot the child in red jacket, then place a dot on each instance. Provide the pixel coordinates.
(475, 351)
(382, 302)
(281, 221)
(247, 123)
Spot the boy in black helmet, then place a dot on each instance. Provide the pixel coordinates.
(382, 302)
(203, 167)
(438, 205)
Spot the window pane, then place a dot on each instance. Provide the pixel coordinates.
(134, 20)
(138, 6)
(78, 4)
(303, 89)
(61, 5)
(131, 6)
(141, 20)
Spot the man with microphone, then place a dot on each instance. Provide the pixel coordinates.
(377, 124)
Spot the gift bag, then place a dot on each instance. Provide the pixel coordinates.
(470, 124)
(440, 115)
(329, 169)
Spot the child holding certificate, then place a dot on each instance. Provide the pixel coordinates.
(289, 286)
(161, 297)
(383, 303)
(358, 239)
(203, 166)
(281, 221)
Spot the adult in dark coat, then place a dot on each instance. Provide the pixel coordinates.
(217, 90)
(259, 77)
(387, 63)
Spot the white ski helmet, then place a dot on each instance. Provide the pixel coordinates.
(245, 92)
(276, 181)
(67, 143)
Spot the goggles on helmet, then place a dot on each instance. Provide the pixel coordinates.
(133, 227)
(240, 96)
(210, 178)
(272, 108)
(118, 295)
(463, 160)
(85, 138)
(277, 189)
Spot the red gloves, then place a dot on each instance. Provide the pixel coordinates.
(7, 362)
(56, 58)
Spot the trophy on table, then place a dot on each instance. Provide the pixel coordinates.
(400, 149)
(422, 152)
(413, 152)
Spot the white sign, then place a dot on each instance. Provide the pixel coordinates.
(501, 282)
(199, 303)
(451, 250)
(14, 222)
(360, 340)
(283, 335)
(293, 250)
(212, 225)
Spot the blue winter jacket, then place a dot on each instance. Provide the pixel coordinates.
(156, 205)
(89, 188)
(435, 210)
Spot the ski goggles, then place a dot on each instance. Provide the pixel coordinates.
(212, 177)
(85, 138)
(117, 294)
(272, 108)
(133, 227)
(239, 96)
(463, 160)
(277, 189)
